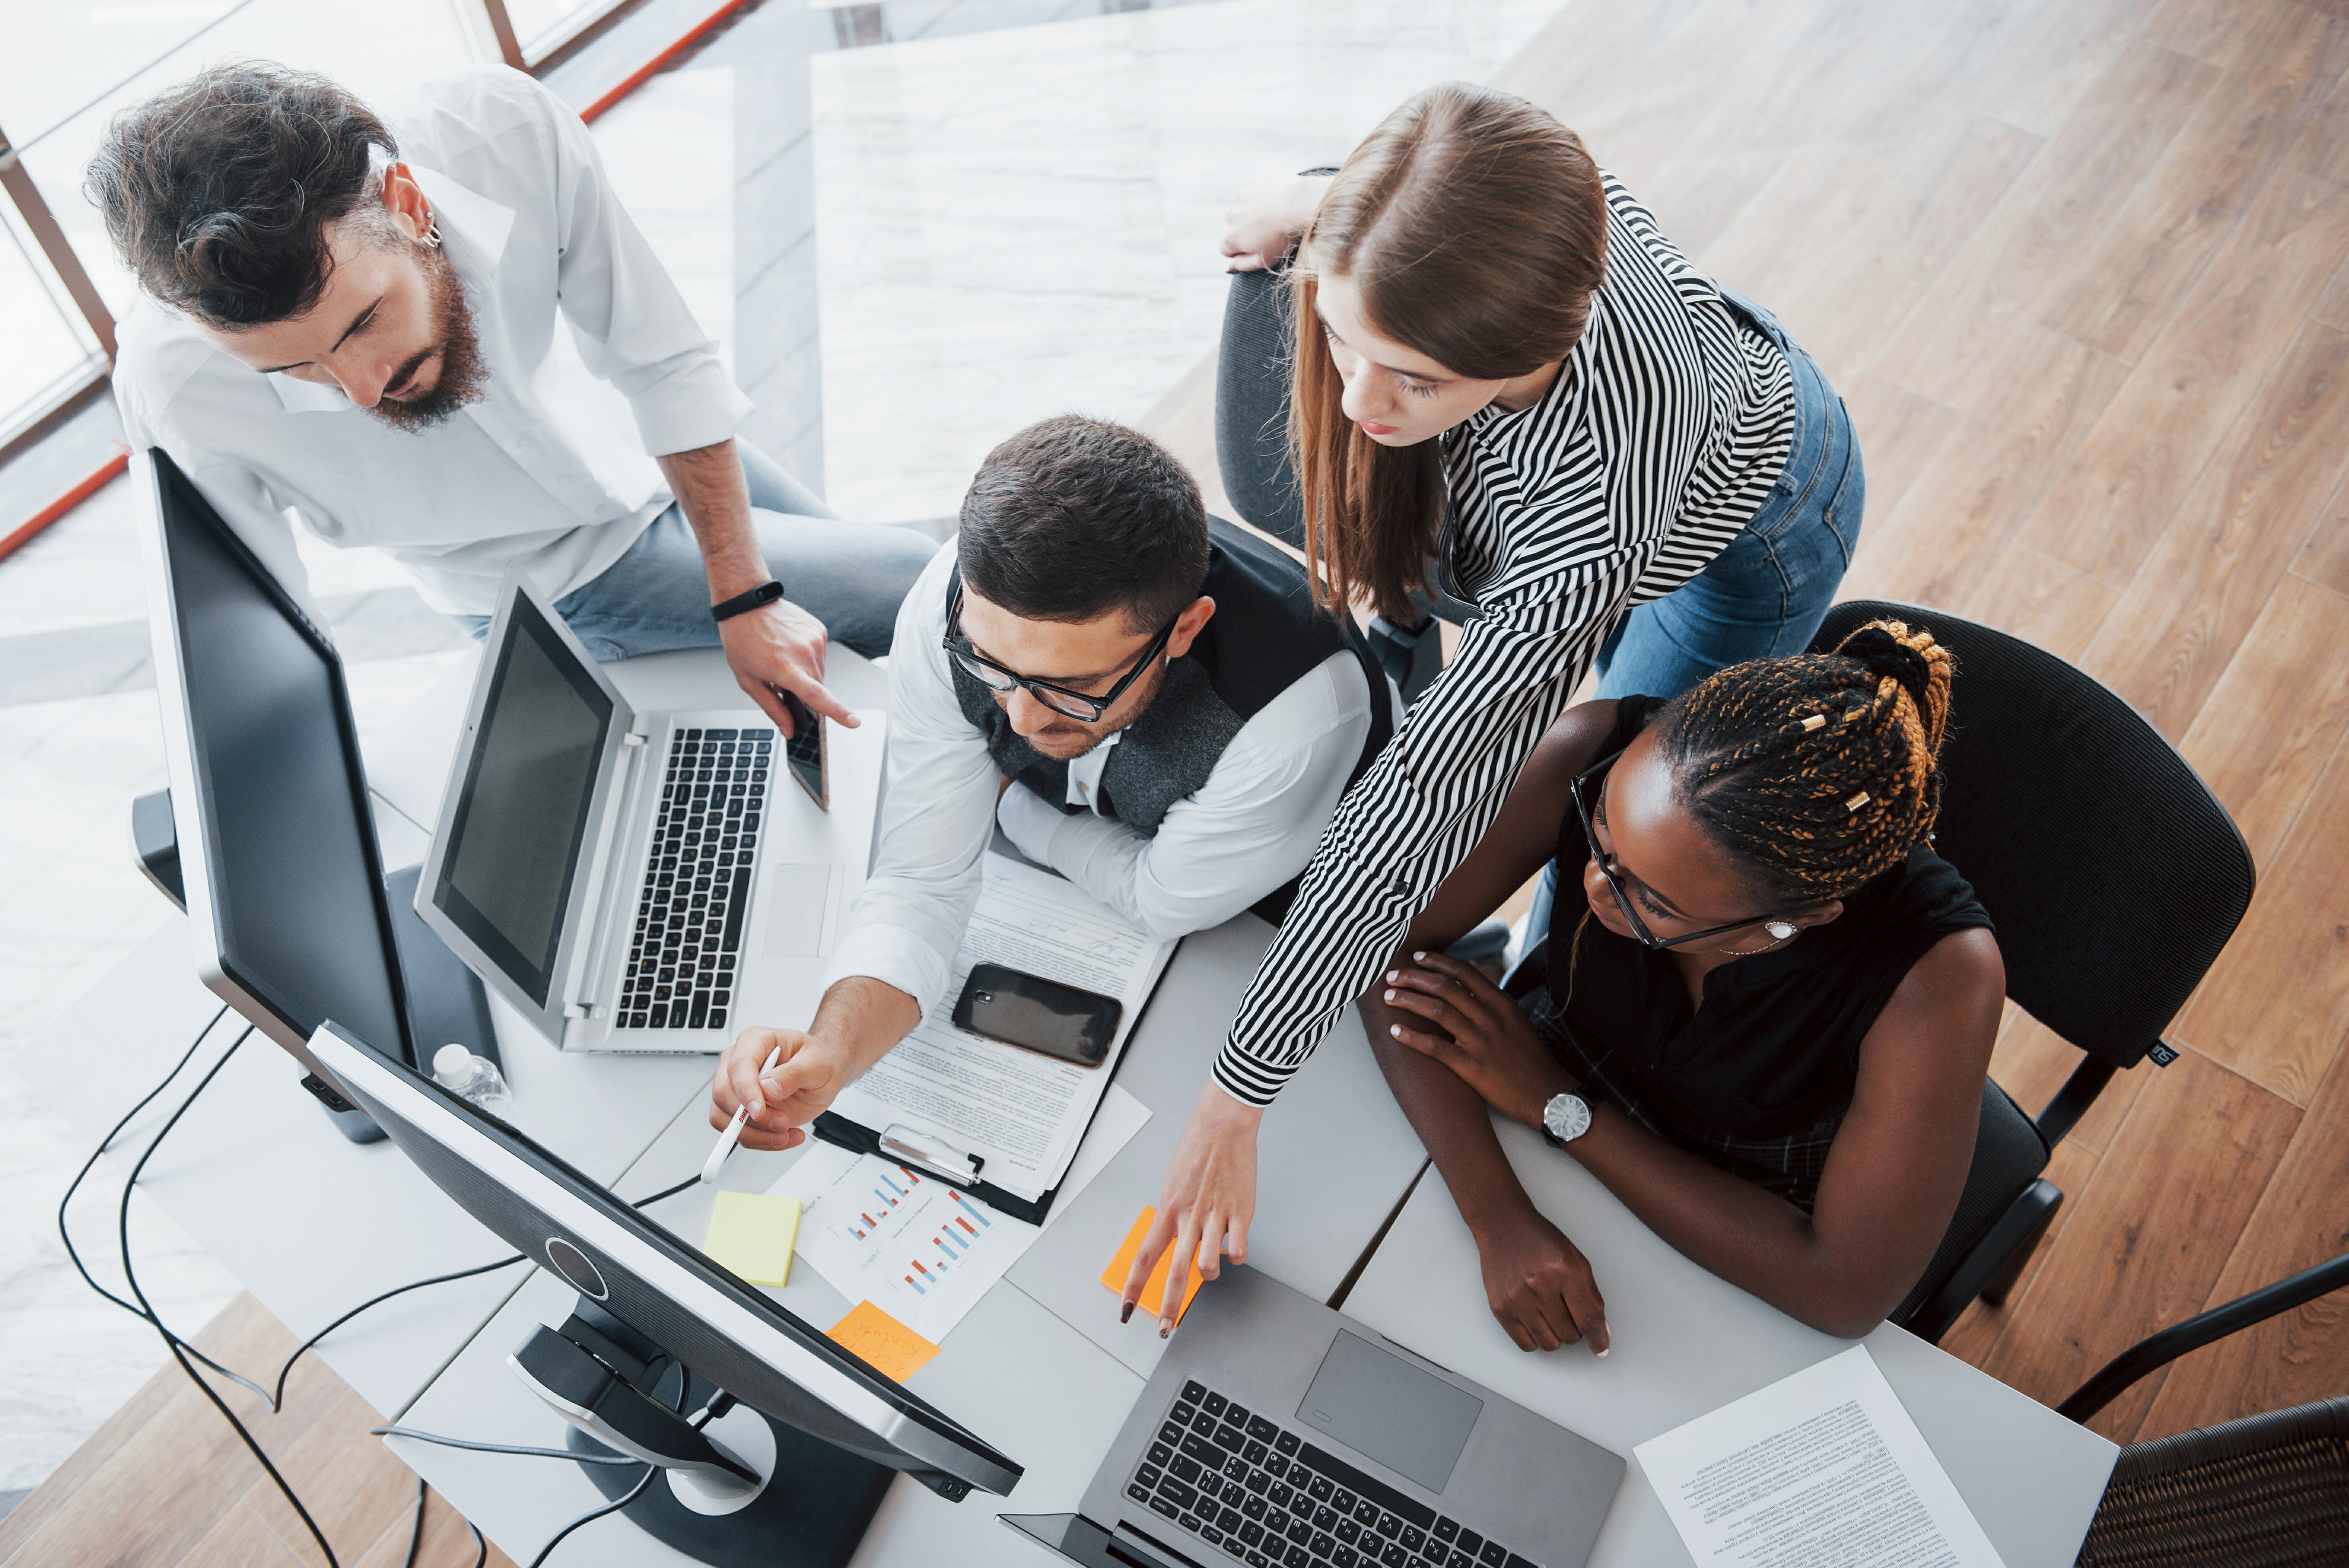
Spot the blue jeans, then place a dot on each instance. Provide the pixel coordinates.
(849, 576)
(1766, 594)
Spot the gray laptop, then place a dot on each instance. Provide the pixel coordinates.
(1280, 1434)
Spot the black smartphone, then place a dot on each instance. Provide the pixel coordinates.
(1038, 1014)
(803, 753)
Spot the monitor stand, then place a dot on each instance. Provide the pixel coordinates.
(814, 1503)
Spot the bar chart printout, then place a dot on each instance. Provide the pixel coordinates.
(917, 1249)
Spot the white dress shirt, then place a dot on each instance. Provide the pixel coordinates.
(553, 466)
(1242, 833)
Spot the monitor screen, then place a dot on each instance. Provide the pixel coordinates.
(521, 811)
(291, 872)
(727, 1332)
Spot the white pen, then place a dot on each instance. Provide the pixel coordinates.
(733, 1133)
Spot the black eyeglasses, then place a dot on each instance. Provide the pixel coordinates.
(1082, 706)
(1606, 864)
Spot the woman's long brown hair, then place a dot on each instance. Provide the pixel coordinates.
(1475, 226)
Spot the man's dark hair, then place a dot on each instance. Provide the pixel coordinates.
(217, 192)
(1075, 517)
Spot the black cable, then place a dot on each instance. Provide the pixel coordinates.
(411, 1432)
(173, 1341)
(634, 1492)
(306, 1345)
(482, 1545)
(66, 1236)
(416, 1531)
(666, 1193)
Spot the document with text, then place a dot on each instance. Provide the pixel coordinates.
(1824, 1466)
(1022, 1112)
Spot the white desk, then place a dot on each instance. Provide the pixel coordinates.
(311, 1224)
(1686, 1341)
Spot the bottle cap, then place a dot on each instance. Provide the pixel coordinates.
(453, 1065)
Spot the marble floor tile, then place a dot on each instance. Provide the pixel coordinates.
(1022, 223)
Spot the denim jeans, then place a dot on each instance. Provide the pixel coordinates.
(849, 576)
(1764, 595)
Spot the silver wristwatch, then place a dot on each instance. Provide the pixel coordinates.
(1565, 1118)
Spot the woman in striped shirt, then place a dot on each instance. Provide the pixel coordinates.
(1511, 388)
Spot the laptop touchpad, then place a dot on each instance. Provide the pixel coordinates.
(800, 911)
(1377, 1403)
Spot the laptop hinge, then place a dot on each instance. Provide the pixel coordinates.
(1128, 1544)
(633, 769)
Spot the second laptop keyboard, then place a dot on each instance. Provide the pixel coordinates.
(680, 967)
(1264, 1495)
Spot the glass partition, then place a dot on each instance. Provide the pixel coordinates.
(48, 353)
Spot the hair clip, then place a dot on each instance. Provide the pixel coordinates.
(1815, 721)
(1856, 801)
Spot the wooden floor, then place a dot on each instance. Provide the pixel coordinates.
(2078, 268)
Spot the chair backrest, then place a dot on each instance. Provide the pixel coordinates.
(2114, 875)
(1252, 405)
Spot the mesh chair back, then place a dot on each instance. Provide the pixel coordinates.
(1252, 406)
(2114, 875)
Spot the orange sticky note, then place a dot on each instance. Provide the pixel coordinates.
(890, 1347)
(1153, 1289)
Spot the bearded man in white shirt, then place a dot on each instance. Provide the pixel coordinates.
(1143, 698)
(351, 320)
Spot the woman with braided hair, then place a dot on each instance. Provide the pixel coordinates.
(1767, 1029)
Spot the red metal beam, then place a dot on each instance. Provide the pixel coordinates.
(12, 543)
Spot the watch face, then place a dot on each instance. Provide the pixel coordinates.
(1566, 1117)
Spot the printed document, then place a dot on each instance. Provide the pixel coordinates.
(1824, 1467)
(1021, 1111)
(919, 1249)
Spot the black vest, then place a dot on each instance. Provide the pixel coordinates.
(1265, 636)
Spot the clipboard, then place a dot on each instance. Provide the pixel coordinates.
(858, 1139)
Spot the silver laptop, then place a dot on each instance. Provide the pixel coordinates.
(1277, 1433)
(631, 880)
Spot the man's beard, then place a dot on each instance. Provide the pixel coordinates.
(461, 370)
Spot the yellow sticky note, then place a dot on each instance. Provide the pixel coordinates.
(886, 1346)
(751, 1234)
(1153, 1290)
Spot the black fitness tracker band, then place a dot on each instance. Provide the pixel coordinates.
(765, 594)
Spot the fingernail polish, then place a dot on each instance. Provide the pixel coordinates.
(1395, 1030)
(1125, 1312)
(1164, 1329)
(1602, 1355)
(1389, 996)
(1392, 976)
(1419, 958)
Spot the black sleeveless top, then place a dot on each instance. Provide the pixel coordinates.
(1774, 1048)
(1267, 634)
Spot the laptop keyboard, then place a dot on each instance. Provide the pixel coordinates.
(1265, 1496)
(698, 881)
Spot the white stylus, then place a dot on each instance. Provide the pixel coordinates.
(733, 1133)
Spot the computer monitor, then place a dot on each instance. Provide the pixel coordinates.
(269, 802)
(714, 1325)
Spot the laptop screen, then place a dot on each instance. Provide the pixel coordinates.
(521, 812)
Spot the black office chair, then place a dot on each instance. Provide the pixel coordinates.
(2114, 876)
(2266, 1491)
(1252, 366)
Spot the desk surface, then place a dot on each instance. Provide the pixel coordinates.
(1686, 1341)
(313, 1224)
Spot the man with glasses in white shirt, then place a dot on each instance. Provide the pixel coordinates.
(1143, 698)
(437, 333)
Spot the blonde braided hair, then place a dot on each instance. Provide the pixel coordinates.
(1821, 770)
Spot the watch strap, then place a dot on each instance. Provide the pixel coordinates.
(765, 594)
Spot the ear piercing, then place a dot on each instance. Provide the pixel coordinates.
(1780, 930)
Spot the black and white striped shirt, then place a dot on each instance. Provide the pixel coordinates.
(1660, 440)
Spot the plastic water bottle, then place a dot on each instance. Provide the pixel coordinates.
(474, 1078)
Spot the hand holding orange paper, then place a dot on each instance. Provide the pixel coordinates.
(1153, 1290)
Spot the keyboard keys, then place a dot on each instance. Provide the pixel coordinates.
(1229, 1439)
(1459, 1560)
(1213, 1404)
(1391, 1555)
(1413, 1540)
(1493, 1554)
(1262, 1430)
(1286, 1442)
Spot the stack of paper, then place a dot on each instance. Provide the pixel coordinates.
(1824, 1466)
(1022, 1112)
